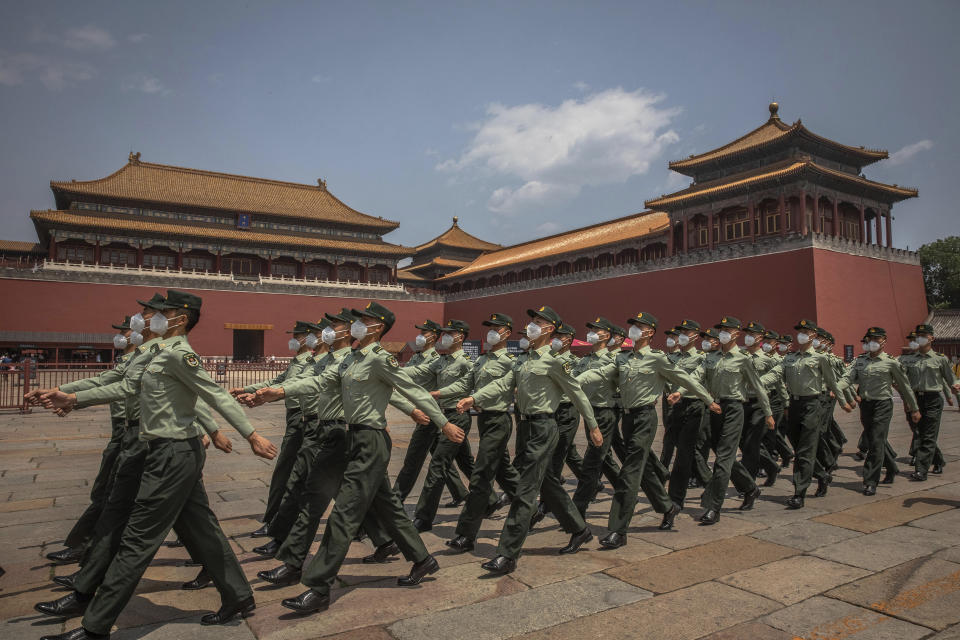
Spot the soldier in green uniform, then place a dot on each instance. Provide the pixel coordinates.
(83, 529)
(755, 457)
(295, 418)
(495, 425)
(671, 427)
(540, 383)
(784, 447)
(774, 443)
(930, 374)
(568, 420)
(874, 375)
(424, 438)
(729, 375)
(171, 490)
(366, 380)
(640, 376)
(833, 437)
(805, 372)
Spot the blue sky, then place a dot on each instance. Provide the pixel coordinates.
(521, 118)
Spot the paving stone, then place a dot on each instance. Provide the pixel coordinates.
(887, 513)
(953, 633)
(751, 631)
(820, 618)
(367, 633)
(183, 628)
(795, 579)
(946, 521)
(805, 535)
(680, 569)
(666, 617)
(878, 551)
(687, 533)
(523, 612)
(25, 505)
(925, 591)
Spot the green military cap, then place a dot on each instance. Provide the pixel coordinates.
(806, 325)
(755, 327)
(498, 320)
(643, 318)
(689, 325)
(123, 326)
(155, 303)
(876, 332)
(377, 311)
(911, 335)
(457, 325)
(771, 335)
(821, 332)
(672, 332)
(618, 331)
(429, 325)
(727, 322)
(345, 315)
(322, 324)
(181, 300)
(828, 336)
(302, 326)
(710, 333)
(785, 338)
(924, 328)
(546, 313)
(600, 323)
(567, 330)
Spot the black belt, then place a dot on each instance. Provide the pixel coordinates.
(531, 416)
(329, 423)
(363, 427)
(133, 424)
(645, 407)
(921, 394)
(154, 443)
(813, 397)
(451, 412)
(488, 412)
(596, 408)
(311, 417)
(564, 405)
(118, 422)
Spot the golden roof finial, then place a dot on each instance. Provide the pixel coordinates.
(774, 108)
(455, 218)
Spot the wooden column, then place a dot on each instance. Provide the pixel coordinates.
(889, 230)
(218, 263)
(876, 219)
(139, 255)
(803, 213)
(782, 210)
(180, 258)
(52, 248)
(365, 272)
(96, 253)
(836, 218)
(335, 272)
(670, 238)
(269, 265)
(815, 217)
(686, 234)
(863, 225)
(753, 224)
(710, 230)
(301, 269)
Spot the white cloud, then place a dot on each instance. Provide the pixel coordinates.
(146, 84)
(137, 38)
(88, 38)
(553, 152)
(430, 151)
(580, 85)
(906, 153)
(52, 73)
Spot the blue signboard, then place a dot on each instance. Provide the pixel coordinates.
(243, 221)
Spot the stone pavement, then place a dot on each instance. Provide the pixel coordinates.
(847, 566)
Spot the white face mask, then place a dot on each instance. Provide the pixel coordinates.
(683, 339)
(159, 324)
(493, 337)
(816, 343)
(725, 337)
(873, 346)
(767, 347)
(803, 338)
(612, 342)
(446, 340)
(293, 344)
(783, 348)
(593, 337)
(311, 341)
(865, 347)
(533, 331)
(524, 344)
(420, 341)
(749, 340)
(119, 341)
(671, 343)
(635, 333)
(556, 344)
(706, 345)
(328, 335)
(137, 323)
(923, 341)
(358, 330)
(913, 345)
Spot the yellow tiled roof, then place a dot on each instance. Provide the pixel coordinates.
(458, 238)
(407, 274)
(163, 184)
(772, 172)
(19, 246)
(210, 233)
(439, 262)
(598, 235)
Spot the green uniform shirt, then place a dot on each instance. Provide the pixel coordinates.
(365, 380)
(326, 406)
(573, 360)
(805, 373)
(107, 377)
(762, 364)
(491, 366)
(929, 372)
(599, 395)
(640, 376)
(691, 361)
(301, 362)
(540, 380)
(443, 372)
(876, 376)
(732, 375)
(126, 390)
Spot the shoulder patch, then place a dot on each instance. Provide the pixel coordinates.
(656, 350)
(191, 360)
(568, 367)
(392, 361)
(511, 356)
(154, 348)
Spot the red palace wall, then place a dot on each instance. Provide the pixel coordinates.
(844, 293)
(91, 308)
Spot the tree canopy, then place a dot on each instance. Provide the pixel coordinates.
(940, 262)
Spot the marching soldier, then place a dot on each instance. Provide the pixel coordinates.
(774, 441)
(670, 426)
(755, 456)
(568, 420)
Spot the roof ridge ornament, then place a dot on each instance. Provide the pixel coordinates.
(774, 110)
(322, 183)
(134, 158)
(455, 219)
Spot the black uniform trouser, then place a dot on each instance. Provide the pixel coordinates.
(83, 529)
(803, 430)
(875, 417)
(639, 470)
(364, 492)
(755, 456)
(775, 442)
(889, 455)
(671, 431)
(594, 459)
(423, 441)
(568, 422)
(492, 461)
(688, 416)
(535, 478)
(725, 429)
(171, 491)
(928, 429)
(286, 458)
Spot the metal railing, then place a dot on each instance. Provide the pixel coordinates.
(19, 378)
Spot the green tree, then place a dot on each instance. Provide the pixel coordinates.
(940, 262)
